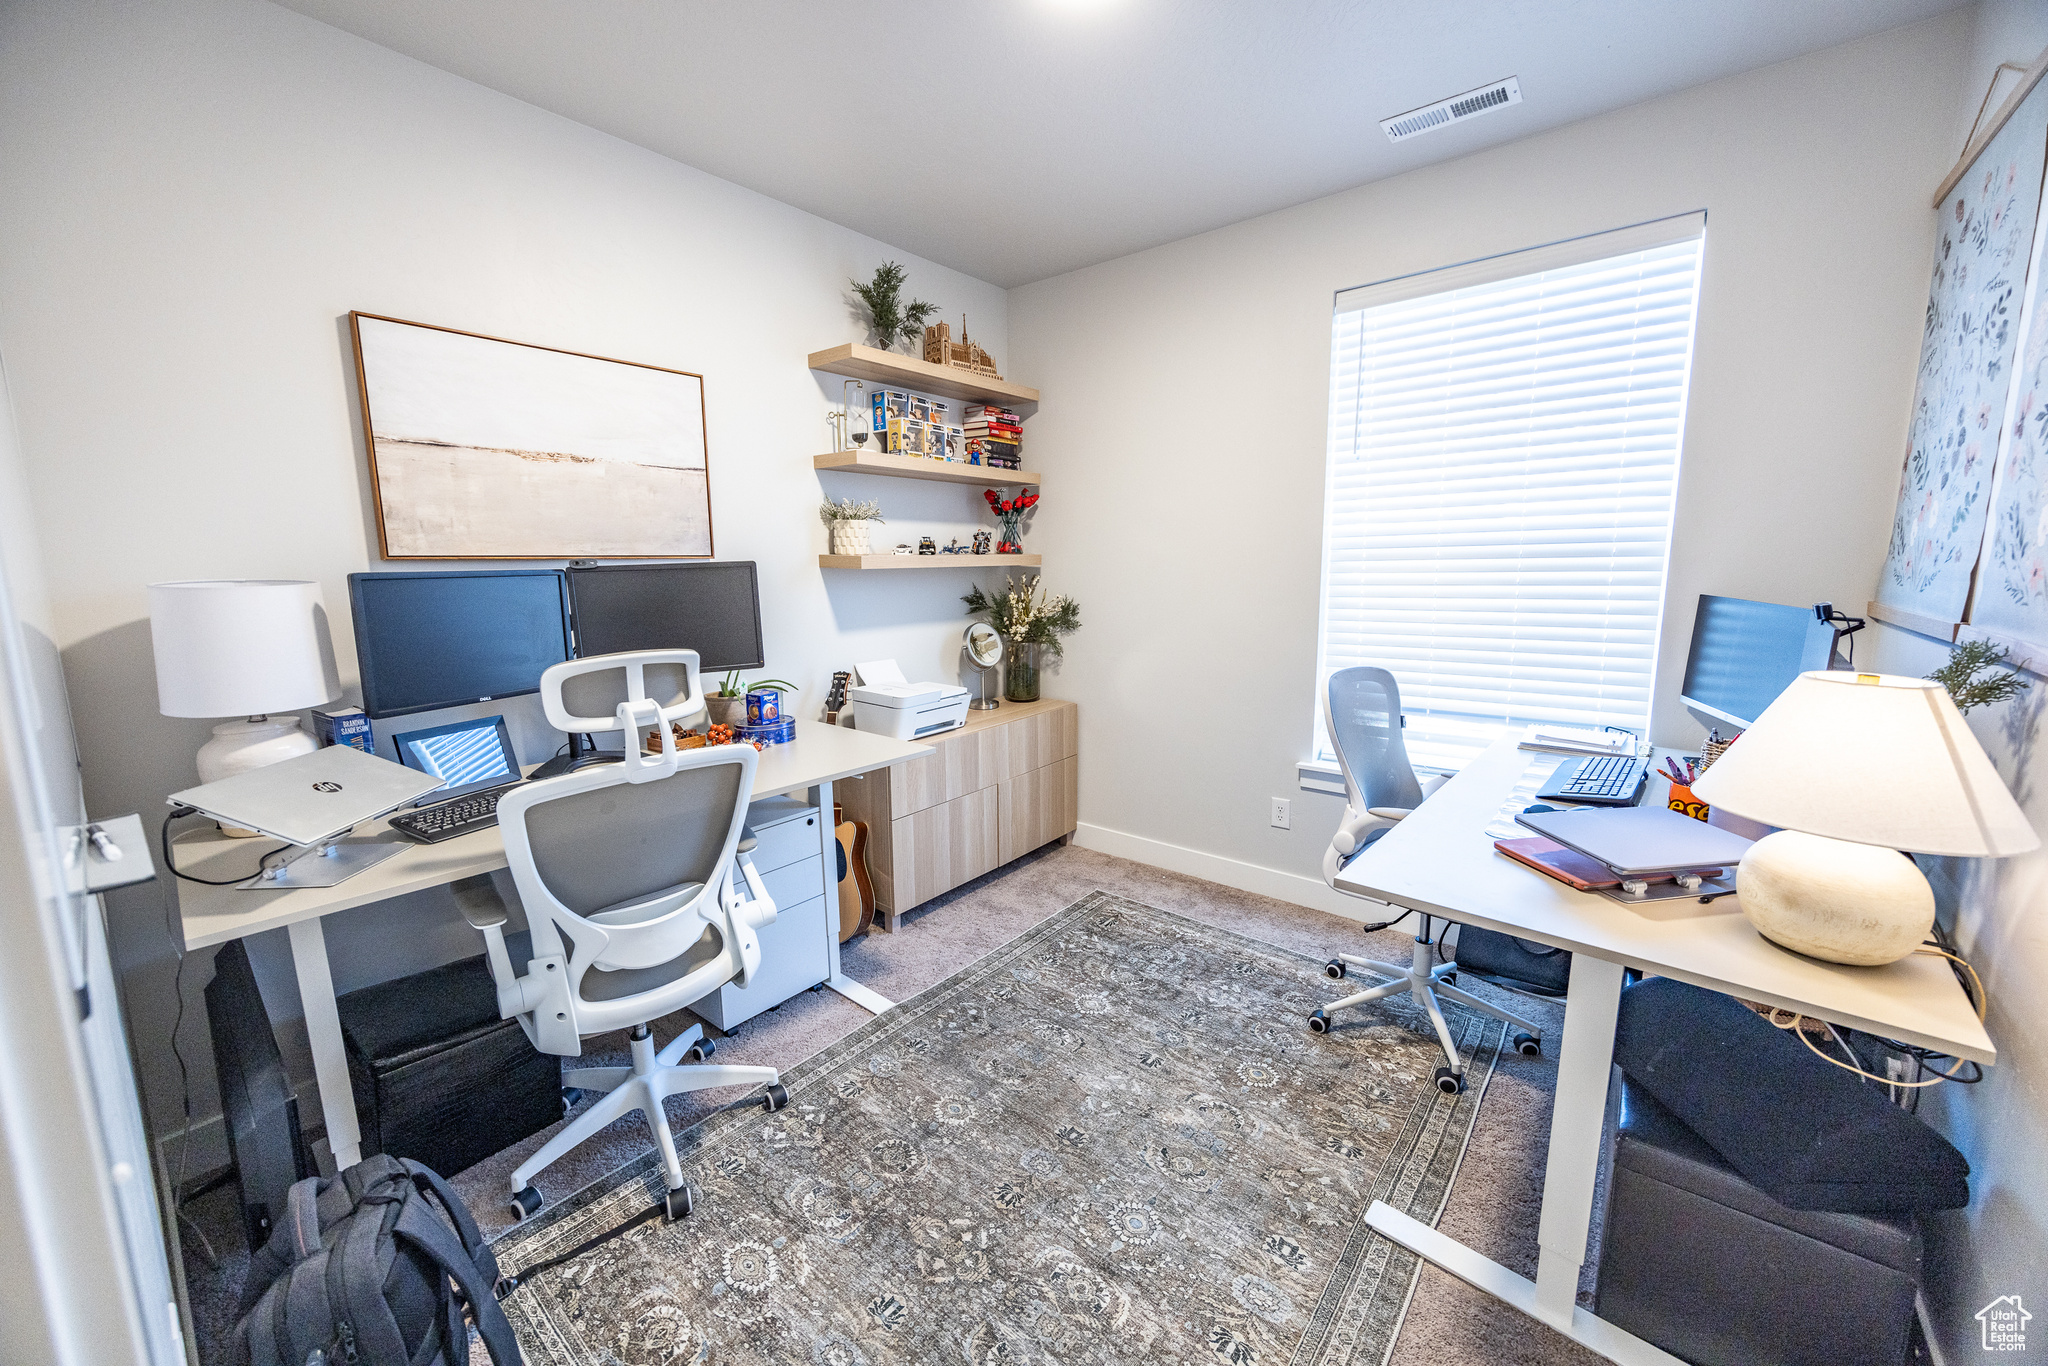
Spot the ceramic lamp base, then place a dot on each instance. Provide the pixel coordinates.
(1833, 900)
(238, 746)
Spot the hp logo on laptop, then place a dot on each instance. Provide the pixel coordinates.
(327, 787)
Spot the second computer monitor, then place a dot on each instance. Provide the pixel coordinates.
(714, 609)
(1745, 653)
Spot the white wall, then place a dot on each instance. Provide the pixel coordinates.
(1998, 1245)
(1183, 432)
(198, 193)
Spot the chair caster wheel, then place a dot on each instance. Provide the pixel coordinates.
(1334, 969)
(1449, 1082)
(700, 1050)
(677, 1204)
(1450, 978)
(572, 1096)
(1529, 1045)
(525, 1204)
(776, 1097)
(1319, 1023)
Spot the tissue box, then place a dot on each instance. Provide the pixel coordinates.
(344, 726)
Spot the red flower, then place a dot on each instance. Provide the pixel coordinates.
(990, 494)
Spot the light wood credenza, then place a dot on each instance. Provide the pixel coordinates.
(1001, 786)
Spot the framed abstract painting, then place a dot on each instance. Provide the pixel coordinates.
(1983, 247)
(482, 448)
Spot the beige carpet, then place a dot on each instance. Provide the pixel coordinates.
(1493, 1204)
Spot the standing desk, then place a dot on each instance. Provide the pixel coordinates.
(1440, 861)
(819, 756)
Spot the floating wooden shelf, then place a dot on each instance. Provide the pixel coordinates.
(917, 467)
(929, 561)
(886, 367)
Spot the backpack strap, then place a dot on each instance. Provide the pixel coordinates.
(361, 1264)
(421, 1227)
(458, 1213)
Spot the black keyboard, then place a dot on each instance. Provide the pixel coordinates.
(1602, 780)
(432, 824)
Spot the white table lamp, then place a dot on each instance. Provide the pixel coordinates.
(1856, 768)
(246, 648)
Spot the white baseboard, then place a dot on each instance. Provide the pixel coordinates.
(1245, 877)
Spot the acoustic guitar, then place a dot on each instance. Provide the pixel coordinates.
(856, 888)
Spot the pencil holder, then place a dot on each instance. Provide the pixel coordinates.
(1711, 750)
(1683, 801)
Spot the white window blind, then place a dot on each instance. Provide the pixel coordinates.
(1504, 442)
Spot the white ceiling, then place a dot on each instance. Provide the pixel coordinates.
(1018, 139)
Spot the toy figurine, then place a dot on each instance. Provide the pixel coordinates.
(905, 548)
(927, 546)
(953, 547)
(982, 540)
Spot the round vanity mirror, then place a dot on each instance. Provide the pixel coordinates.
(984, 651)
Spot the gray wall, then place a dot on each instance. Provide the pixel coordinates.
(1999, 1244)
(1188, 443)
(197, 194)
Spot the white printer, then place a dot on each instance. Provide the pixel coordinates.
(885, 703)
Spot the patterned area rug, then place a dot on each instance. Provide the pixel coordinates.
(1112, 1140)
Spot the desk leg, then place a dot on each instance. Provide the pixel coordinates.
(1578, 1115)
(866, 998)
(323, 1032)
(1577, 1118)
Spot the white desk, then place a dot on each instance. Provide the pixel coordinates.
(1441, 861)
(818, 757)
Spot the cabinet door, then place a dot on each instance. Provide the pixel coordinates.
(1043, 738)
(961, 763)
(940, 847)
(1038, 807)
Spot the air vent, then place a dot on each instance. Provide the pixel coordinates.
(1456, 109)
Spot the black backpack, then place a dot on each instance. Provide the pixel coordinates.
(362, 1269)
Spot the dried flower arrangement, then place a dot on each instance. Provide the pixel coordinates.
(1025, 612)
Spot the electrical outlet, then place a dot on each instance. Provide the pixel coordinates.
(1280, 816)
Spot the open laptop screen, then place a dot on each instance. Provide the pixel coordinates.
(467, 755)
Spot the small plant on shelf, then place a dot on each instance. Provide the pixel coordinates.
(1960, 675)
(846, 523)
(889, 317)
(1032, 621)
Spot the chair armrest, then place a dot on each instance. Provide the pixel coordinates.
(1432, 783)
(748, 839)
(479, 902)
(1390, 813)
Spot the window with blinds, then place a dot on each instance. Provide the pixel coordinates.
(1504, 443)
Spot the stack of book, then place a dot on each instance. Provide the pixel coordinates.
(994, 436)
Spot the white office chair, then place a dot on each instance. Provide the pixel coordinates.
(1362, 707)
(639, 896)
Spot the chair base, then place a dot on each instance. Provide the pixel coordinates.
(1425, 982)
(651, 1079)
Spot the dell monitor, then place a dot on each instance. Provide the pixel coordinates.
(713, 608)
(431, 640)
(1745, 653)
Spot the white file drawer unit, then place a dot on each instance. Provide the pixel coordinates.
(789, 855)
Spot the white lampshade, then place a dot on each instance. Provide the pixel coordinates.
(239, 647)
(1874, 759)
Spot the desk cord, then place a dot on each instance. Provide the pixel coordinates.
(1794, 1020)
(163, 840)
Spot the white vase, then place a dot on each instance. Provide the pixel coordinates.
(850, 538)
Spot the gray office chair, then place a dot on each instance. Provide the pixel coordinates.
(1362, 707)
(639, 897)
